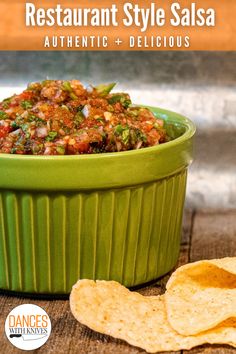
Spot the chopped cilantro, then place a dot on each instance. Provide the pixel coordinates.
(123, 132)
(51, 136)
(79, 118)
(115, 99)
(14, 125)
(3, 115)
(80, 107)
(26, 104)
(13, 150)
(119, 129)
(100, 119)
(141, 136)
(60, 150)
(6, 102)
(25, 127)
(37, 120)
(104, 89)
(125, 135)
(126, 103)
(66, 86)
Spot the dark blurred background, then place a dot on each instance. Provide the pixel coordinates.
(129, 68)
(201, 85)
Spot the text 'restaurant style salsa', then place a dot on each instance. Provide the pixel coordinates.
(65, 118)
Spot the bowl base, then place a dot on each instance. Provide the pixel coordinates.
(37, 296)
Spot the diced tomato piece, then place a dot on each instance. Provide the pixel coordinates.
(4, 131)
(80, 147)
(26, 95)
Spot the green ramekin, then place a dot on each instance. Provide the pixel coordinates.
(106, 216)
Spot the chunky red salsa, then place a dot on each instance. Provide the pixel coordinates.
(65, 118)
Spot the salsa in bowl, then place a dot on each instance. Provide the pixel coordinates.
(57, 117)
(110, 210)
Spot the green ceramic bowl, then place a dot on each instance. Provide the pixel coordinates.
(106, 216)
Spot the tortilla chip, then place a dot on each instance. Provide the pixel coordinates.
(110, 308)
(201, 295)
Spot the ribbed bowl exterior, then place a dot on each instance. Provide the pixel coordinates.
(50, 240)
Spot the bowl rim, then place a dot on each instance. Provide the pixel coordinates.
(170, 116)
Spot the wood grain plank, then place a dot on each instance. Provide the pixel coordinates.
(214, 235)
(213, 349)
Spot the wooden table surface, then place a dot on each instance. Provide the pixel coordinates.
(206, 234)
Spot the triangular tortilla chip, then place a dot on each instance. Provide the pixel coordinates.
(201, 295)
(110, 308)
